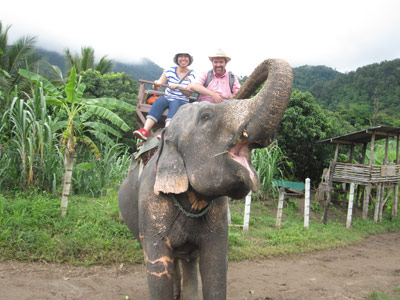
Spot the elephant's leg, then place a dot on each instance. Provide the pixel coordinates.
(177, 280)
(190, 282)
(213, 269)
(160, 271)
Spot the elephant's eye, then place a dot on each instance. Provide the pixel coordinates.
(205, 116)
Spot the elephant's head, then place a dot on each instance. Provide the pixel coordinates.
(207, 146)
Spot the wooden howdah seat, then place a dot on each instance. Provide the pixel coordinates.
(142, 108)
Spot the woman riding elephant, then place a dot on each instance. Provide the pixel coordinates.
(176, 95)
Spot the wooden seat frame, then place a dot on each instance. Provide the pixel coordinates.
(142, 108)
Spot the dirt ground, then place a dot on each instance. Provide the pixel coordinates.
(353, 272)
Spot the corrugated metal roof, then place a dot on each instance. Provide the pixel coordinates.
(364, 136)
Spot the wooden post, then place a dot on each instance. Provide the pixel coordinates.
(329, 196)
(371, 154)
(377, 202)
(383, 201)
(247, 212)
(280, 207)
(385, 160)
(336, 153)
(366, 201)
(228, 212)
(395, 203)
(369, 186)
(364, 153)
(307, 204)
(350, 207)
(330, 181)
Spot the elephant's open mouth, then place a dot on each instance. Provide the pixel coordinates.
(241, 154)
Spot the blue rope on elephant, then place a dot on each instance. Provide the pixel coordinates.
(188, 214)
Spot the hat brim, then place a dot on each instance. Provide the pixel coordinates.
(226, 57)
(176, 58)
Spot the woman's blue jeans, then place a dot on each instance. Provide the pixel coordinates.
(160, 105)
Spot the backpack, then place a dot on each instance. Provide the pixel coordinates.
(231, 79)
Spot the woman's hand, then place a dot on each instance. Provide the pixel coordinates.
(157, 84)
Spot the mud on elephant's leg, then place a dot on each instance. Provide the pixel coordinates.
(160, 270)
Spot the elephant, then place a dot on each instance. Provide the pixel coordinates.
(176, 204)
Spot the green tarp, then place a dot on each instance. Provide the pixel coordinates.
(297, 186)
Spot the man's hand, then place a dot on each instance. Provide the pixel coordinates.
(217, 98)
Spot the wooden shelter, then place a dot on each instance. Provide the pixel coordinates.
(366, 174)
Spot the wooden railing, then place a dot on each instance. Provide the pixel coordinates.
(142, 108)
(365, 174)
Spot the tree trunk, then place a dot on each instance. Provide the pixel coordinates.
(69, 165)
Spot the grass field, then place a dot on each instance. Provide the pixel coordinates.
(94, 233)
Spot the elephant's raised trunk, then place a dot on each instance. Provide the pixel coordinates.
(261, 114)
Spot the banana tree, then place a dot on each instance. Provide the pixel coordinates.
(78, 127)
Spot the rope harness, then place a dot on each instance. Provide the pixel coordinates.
(188, 214)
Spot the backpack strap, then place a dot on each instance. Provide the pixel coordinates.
(231, 81)
(208, 79)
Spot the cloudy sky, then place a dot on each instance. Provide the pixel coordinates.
(341, 34)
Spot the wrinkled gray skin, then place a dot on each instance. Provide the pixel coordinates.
(203, 157)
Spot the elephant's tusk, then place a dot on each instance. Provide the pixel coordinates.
(219, 154)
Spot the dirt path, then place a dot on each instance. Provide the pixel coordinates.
(352, 272)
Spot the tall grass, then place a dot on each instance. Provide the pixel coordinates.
(94, 177)
(270, 163)
(30, 157)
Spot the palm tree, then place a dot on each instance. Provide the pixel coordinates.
(85, 61)
(79, 127)
(21, 54)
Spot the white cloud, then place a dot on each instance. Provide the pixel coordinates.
(340, 34)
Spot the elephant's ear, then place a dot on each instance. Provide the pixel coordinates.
(171, 174)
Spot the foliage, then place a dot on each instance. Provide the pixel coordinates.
(95, 177)
(303, 124)
(94, 233)
(270, 164)
(119, 86)
(85, 61)
(21, 54)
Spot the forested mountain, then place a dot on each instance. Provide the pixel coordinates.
(305, 77)
(54, 58)
(366, 97)
(146, 69)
